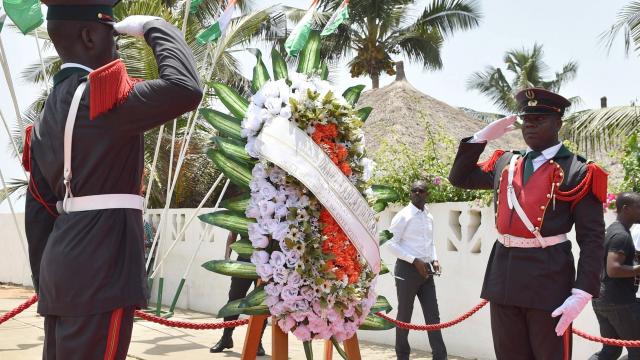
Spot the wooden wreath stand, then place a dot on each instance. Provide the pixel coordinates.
(280, 342)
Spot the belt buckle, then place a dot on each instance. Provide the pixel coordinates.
(507, 240)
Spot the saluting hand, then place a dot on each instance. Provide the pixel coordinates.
(133, 25)
(496, 129)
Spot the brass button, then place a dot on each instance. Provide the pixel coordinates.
(539, 219)
(541, 207)
(548, 196)
(100, 15)
(551, 161)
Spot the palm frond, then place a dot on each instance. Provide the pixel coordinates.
(492, 83)
(418, 44)
(602, 128)
(450, 16)
(627, 21)
(15, 187)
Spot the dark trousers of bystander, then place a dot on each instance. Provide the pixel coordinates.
(409, 285)
(617, 321)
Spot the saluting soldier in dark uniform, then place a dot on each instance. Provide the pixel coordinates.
(539, 194)
(85, 154)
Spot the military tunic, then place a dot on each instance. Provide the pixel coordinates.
(91, 262)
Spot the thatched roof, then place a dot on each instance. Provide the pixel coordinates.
(403, 114)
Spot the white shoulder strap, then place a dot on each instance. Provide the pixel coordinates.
(512, 200)
(68, 137)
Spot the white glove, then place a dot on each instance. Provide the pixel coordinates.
(133, 25)
(570, 309)
(496, 129)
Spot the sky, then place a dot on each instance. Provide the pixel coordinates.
(568, 30)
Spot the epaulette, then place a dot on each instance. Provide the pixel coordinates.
(594, 181)
(488, 165)
(109, 86)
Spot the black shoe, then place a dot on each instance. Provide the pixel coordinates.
(261, 351)
(224, 343)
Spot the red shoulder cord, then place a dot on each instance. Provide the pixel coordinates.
(26, 164)
(487, 166)
(594, 181)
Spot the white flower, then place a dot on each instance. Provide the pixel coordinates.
(267, 191)
(285, 112)
(277, 175)
(368, 166)
(259, 257)
(280, 274)
(267, 208)
(281, 211)
(255, 230)
(281, 231)
(252, 211)
(259, 171)
(251, 148)
(273, 105)
(278, 259)
(258, 99)
(270, 90)
(265, 271)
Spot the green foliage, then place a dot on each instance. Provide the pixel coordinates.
(631, 165)
(399, 165)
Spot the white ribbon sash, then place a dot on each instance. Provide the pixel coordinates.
(284, 144)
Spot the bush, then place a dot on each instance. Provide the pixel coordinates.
(399, 166)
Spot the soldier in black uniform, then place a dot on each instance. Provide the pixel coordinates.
(539, 195)
(83, 209)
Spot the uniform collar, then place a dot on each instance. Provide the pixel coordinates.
(69, 69)
(553, 152)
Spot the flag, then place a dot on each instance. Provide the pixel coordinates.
(195, 4)
(2, 18)
(300, 34)
(338, 18)
(215, 31)
(26, 14)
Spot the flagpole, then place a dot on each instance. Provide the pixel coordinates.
(7, 75)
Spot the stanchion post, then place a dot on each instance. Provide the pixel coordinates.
(352, 348)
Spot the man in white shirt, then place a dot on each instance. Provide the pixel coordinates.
(412, 243)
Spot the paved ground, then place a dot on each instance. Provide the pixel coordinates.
(21, 337)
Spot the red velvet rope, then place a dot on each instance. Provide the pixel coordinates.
(22, 307)
(403, 325)
(433, 327)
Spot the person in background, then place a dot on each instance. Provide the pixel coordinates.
(617, 309)
(412, 243)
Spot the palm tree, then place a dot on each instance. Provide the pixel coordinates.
(215, 62)
(526, 69)
(610, 127)
(379, 30)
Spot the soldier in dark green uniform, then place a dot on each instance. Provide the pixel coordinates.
(85, 154)
(540, 194)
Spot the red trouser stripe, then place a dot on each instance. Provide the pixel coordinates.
(114, 334)
(566, 344)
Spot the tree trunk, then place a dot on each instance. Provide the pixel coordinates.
(375, 80)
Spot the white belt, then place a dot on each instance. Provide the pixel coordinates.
(520, 242)
(93, 202)
(100, 202)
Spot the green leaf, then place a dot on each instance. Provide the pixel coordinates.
(308, 350)
(364, 113)
(232, 150)
(338, 348)
(243, 248)
(226, 125)
(238, 173)
(232, 308)
(352, 94)
(373, 322)
(239, 269)
(238, 203)
(310, 55)
(383, 269)
(382, 304)
(385, 193)
(384, 236)
(260, 73)
(280, 70)
(324, 71)
(379, 206)
(230, 220)
(236, 104)
(254, 298)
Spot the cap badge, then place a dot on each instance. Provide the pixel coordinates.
(530, 94)
(533, 102)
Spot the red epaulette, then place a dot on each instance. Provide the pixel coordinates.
(109, 86)
(595, 181)
(488, 165)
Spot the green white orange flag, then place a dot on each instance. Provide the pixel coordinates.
(215, 31)
(25, 14)
(341, 14)
(300, 34)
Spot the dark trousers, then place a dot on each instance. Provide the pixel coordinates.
(238, 290)
(412, 285)
(617, 321)
(527, 334)
(94, 337)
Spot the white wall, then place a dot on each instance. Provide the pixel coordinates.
(464, 236)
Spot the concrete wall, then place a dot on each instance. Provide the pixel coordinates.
(464, 236)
